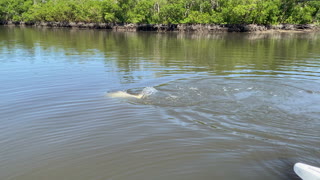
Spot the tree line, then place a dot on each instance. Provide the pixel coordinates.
(163, 11)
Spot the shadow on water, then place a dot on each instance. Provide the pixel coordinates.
(287, 169)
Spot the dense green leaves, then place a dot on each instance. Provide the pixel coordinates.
(172, 12)
(143, 12)
(13, 9)
(163, 11)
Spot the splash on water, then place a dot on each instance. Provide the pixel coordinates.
(147, 91)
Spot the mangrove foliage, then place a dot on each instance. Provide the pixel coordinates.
(162, 11)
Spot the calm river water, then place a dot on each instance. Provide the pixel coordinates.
(227, 106)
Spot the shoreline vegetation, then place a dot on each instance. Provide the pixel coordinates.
(165, 15)
(197, 28)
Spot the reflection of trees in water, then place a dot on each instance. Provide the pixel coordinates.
(220, 53)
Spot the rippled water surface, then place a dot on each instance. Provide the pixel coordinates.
(218, 106)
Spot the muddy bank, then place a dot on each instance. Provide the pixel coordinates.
(199, 28)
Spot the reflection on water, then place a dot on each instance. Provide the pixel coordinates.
(227, 106)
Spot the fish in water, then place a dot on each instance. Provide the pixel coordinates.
(144, 93)
(123, 94)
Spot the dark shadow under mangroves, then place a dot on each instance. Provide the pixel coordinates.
(220, 53)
